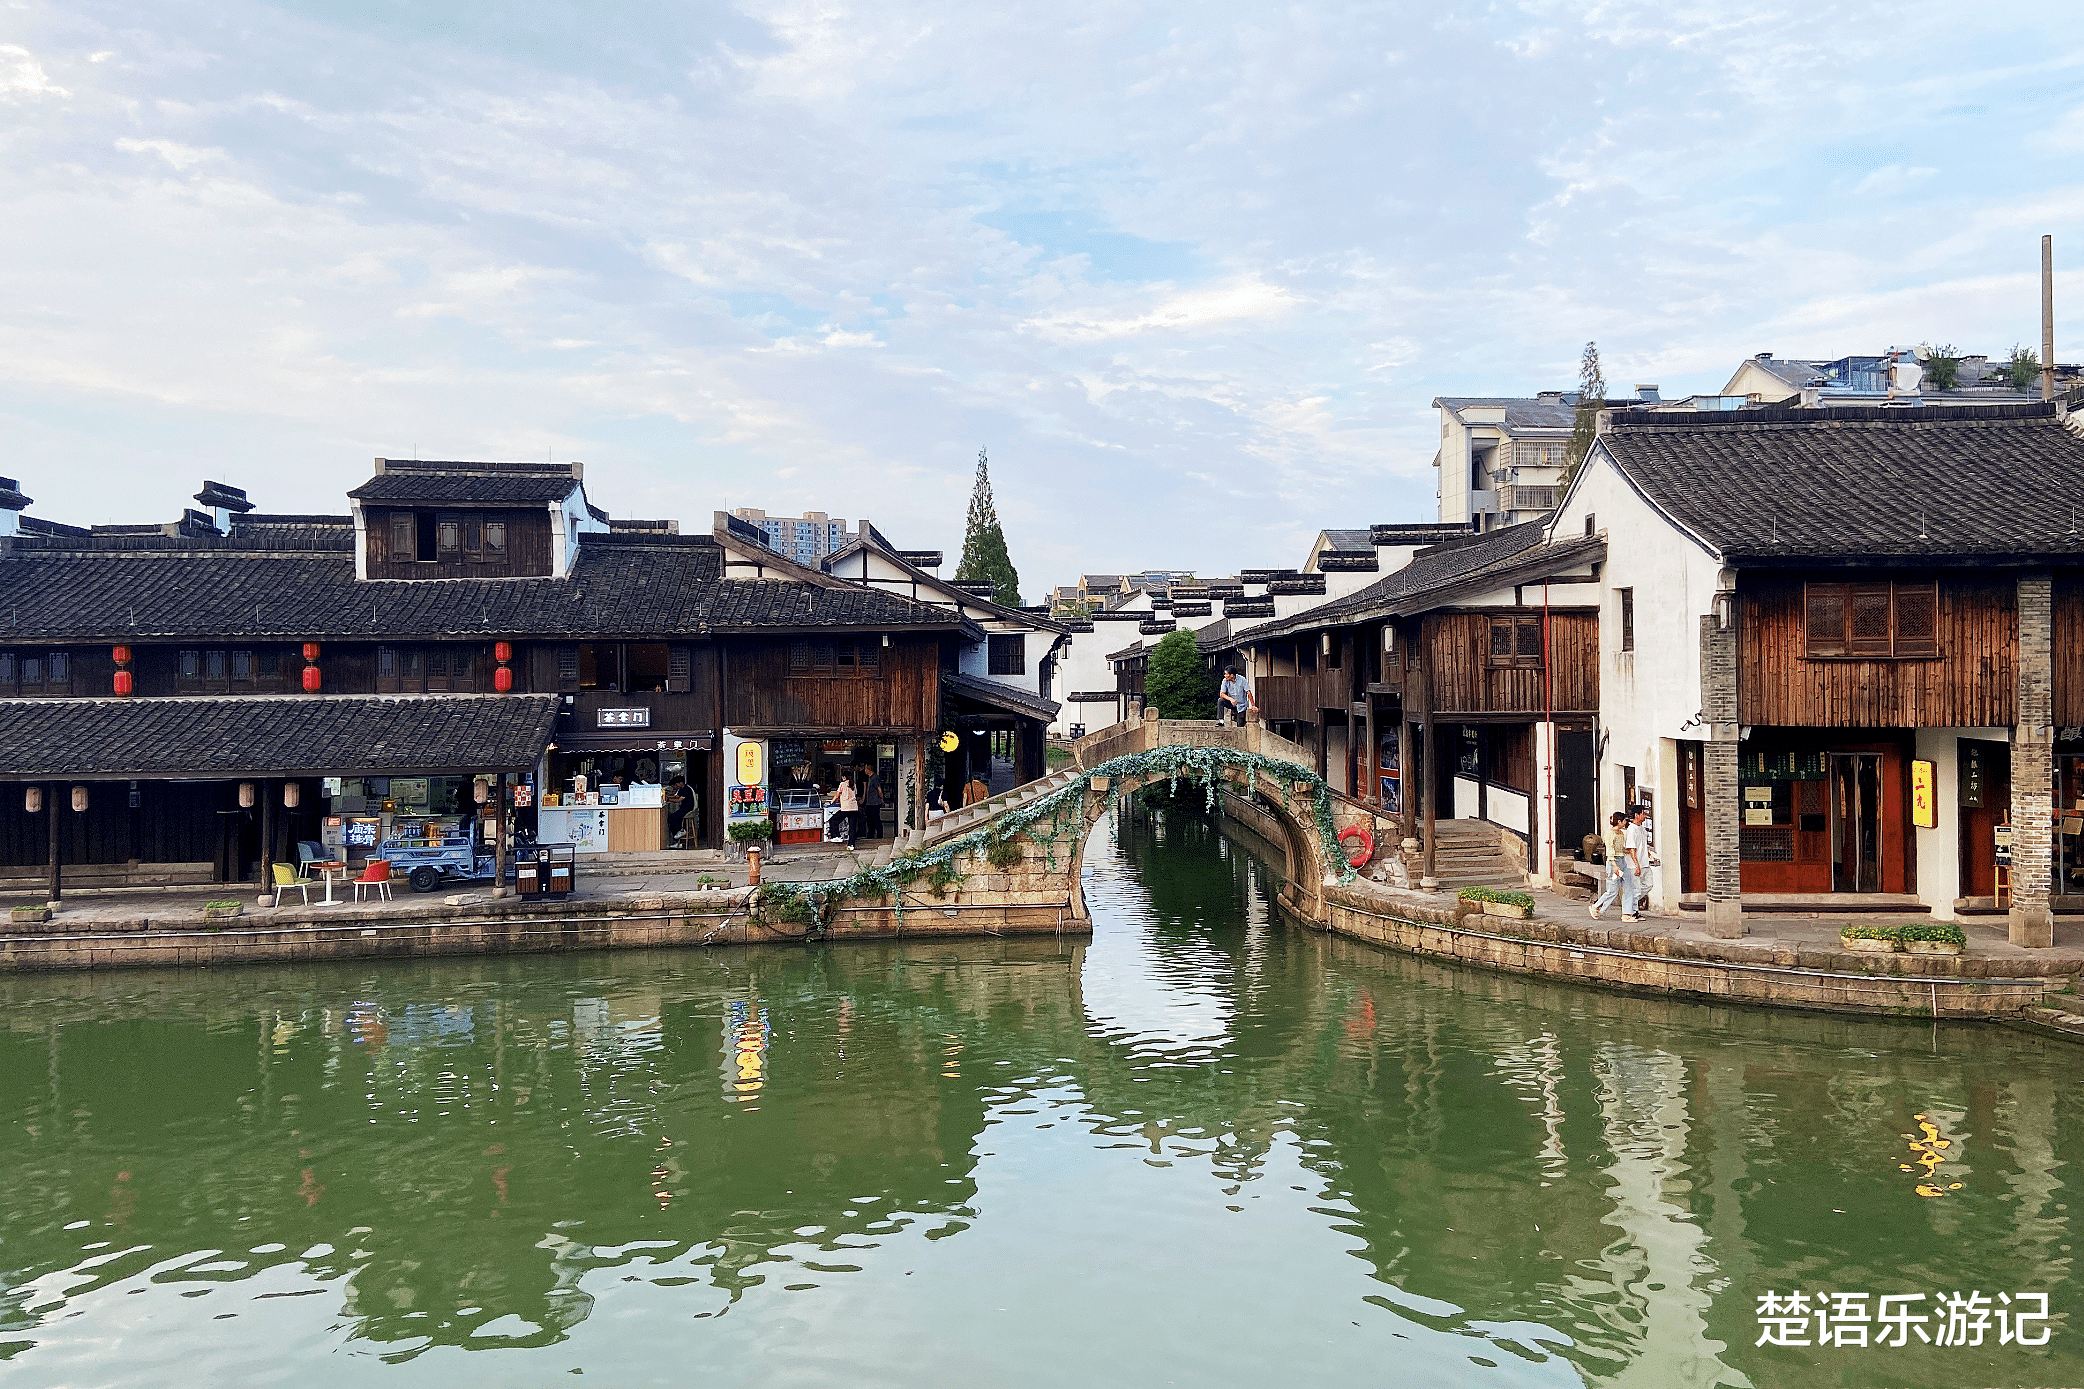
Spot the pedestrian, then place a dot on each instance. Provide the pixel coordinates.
(936, 802)
(1233, 698)
(975, 790)
(678, 802)
(849, 804)
(1646, 861)
(1617, 880)
(871, 804)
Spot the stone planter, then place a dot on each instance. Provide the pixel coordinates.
(222, 914)
(1510, 910)
(1870, 947)
(30, 916)
(1932, 947)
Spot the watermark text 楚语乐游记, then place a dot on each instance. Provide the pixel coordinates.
(1902, 1319)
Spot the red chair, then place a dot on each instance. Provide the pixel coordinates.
(376, 876)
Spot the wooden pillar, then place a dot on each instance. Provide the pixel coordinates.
(267, 837)
(500, 854)
(50, 808)
(1431, 877)
(1366, 766)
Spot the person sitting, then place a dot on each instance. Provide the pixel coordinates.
(936, 802)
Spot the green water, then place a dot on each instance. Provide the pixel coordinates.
(1204, 1149)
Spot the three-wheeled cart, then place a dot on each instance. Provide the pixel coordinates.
(424, 863)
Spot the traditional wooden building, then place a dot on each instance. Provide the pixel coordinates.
(1843, 654)
(1462, 685)
(213, 692)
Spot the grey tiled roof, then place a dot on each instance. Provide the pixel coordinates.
(623, 585)
(467, 489)
(297, 735)
(1000, 696)
(1950, 484)
(1432, 572)
(1348, 540)
(1521, 412)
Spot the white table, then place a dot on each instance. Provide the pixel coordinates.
(327, 871)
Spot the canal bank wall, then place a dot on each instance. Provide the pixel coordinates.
(2036, 992)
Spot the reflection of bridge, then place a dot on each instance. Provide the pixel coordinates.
(1021, 851)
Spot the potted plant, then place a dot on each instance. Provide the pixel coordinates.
(1875, 940)
(1932, 938)
(30, 916)
(1508, 904)
(222, 909)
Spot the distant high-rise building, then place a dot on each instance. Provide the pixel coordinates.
(806, 539)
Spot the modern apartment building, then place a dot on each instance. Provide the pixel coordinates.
(806, 539)
(1501, 459)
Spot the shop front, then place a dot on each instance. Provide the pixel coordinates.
(1825, 814)
(625, 795)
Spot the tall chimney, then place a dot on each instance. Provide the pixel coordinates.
(2047, 318)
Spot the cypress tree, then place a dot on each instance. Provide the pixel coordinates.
(1591, 399)
(984, 557)
(1178, 682)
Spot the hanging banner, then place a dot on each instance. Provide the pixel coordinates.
(1924, 794)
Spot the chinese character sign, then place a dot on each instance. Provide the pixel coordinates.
(1924, 794)
(1894, 1320)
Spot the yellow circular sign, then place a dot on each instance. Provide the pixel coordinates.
(750, 765)
(950, 741)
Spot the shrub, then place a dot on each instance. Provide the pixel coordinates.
(1945, 932)
(1178, 682)
(1503, 897)
(743, 830)
(224, 904)
(1861, 930)
(1003, 853)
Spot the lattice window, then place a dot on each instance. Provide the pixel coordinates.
(1515, 641)
(1872, 620)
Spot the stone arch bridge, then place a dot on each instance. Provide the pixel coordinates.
(1015, 860)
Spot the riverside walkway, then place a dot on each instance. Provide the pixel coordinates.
(1011, 865)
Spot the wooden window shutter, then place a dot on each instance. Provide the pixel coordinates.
(567, 667)
(680, 669)
(799, 655)
(1917, 619)
(1501, 640)
(1825, 618)
(437, 670)
(1530, 641)
(403, 543)
(1867, 630)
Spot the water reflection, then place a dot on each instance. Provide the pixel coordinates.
(1210, 1146)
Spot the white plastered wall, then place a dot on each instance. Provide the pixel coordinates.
(1649, 698)
(1939, 848)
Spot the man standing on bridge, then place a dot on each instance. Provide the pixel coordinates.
(1233, 699)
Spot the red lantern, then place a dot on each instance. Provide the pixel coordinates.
(123, 682)
(310, 650)
(502, 680)
(311, 680)
(502, 651)
(122, 655)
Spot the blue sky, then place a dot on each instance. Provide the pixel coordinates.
(1193, 273)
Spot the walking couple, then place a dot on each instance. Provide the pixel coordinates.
(1629, 860)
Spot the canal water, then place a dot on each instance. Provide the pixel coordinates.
(1206, 1148)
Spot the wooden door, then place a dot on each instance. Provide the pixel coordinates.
(1984, 772)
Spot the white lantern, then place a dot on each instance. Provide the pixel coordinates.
(79, 798)
(291, 794)
(245, 795)
(481, 790)
(32, 799)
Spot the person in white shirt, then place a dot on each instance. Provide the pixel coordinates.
(1636, 839)
(849, 803)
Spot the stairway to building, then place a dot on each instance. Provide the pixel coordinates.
(972, 817)
(1468, 854)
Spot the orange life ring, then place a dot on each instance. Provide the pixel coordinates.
(1367, 844)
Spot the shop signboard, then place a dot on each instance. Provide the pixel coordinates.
(622, 718)
(2003, 837)
(1924, 794)
(745, 798)
(787, 752)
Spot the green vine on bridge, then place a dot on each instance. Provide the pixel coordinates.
(1049, 822)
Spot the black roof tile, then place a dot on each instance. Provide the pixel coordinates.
(1949, 484)
(286, 735)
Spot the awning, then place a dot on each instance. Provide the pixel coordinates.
(272, 735)
(642, 740)
(1003, 698)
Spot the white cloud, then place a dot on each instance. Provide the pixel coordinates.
(21, 75)
(1246, 299)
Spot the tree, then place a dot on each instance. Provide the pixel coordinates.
(1591, 399)
(1178, 682)
(1943, 367)
(2023, 369)
(984, 557)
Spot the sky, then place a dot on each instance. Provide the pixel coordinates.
(1192, 273)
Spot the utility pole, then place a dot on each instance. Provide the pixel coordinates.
(2047, 318)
